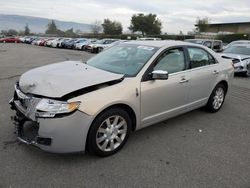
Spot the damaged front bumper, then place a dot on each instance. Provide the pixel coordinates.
(60, 134)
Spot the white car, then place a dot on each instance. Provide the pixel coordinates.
(148, 38)
(56, 42)
(49, 42)
(99, 45)
(237, 42)
(240, 55)
(74, 106)
(82, 45)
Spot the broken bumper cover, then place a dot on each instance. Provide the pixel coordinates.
(57, 135)
(60, 134)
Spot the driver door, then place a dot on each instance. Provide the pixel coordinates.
(161, 99)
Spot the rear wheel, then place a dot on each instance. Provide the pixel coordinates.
(109, 132)
(216, 99)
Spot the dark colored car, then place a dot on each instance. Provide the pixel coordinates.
(70, 44)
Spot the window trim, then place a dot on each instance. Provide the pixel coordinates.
(146, 75)
(189, 60)
(212, 44)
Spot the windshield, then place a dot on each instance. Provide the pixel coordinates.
(244, 50)
(98, 42)
(127, 59)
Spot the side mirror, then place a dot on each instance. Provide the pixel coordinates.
(159, 75)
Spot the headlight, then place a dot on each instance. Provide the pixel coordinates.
(49, 108)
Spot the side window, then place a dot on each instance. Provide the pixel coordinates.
(217, 45)
(198, 57)
(171, 61)
(208, 44)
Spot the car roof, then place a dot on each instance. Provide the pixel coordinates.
(161, 43)
(244, 45)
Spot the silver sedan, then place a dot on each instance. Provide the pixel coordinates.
(74, 106)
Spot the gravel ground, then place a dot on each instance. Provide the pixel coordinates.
(197, 149)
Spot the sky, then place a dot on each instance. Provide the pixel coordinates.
(175, 16)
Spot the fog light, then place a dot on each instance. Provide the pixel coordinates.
(44, 141)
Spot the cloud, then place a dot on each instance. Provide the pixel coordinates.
(175, 15)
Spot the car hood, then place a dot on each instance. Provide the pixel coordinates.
(234, 56)
(57, 80)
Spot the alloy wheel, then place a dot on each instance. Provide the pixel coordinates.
(111, 133)
(218, 98)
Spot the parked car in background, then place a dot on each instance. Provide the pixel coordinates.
(79, 41)
(237, 42)
(28, 40)
(56, 43)
(82, 45)
(62, 42)
(48, 42)
(148, 38)
(215, 45)
(10, 40)
(38, 41)
(99, 45)
(70, 43)
(22, 39)
(240, 55)
(43, 41)
(95, 105)
(111, 45)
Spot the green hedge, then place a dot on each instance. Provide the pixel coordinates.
(135, 36)
(233, 37)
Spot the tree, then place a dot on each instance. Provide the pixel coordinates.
(201, 24)
(69, 33)
(10, 32)
(112, 27)
(96, 27)
(146, 24)
(52, 28)
(26, 30)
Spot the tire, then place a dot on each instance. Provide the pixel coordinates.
(100, 50)
(247, 74)
(109, 132)
(216, 99)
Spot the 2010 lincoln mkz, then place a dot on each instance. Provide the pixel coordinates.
(74, 106)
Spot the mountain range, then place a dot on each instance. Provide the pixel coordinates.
(37, 24)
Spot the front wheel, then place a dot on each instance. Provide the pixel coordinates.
(216, 99)
(109, 132)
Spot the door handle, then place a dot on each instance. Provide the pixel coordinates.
(215, 72)
(183, 80)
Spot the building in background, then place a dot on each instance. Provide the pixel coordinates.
(229, 28)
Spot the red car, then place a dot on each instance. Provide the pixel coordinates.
(43, 42)
(10, 40)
